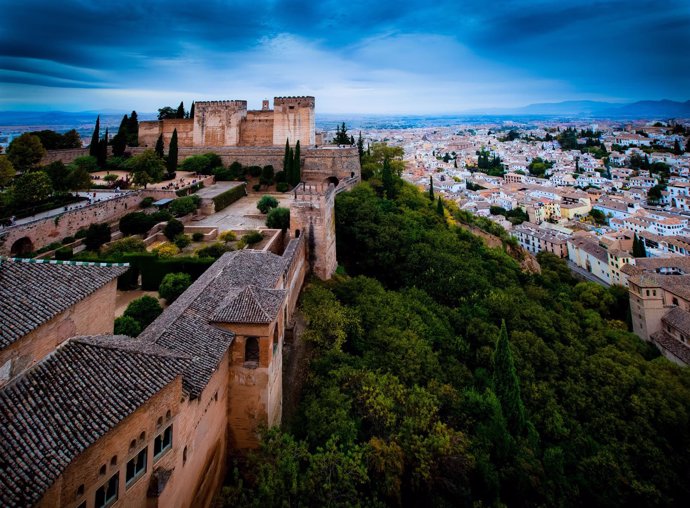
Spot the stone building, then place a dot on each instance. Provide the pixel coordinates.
(150, 421)
(38, 316)
(229, 123)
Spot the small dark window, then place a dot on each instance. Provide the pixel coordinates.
(102, 470)
(162, 443)
(184, 456)
(107, 493)
(142, 436)
(80, 490)
(251, 349)
(297, 232)
(168, 415)
(675, 301)
(160, 421)
(113, 460)
(133, 444)
(136, 466)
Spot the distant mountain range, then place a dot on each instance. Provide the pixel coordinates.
(598, 109)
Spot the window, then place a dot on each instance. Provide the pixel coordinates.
(83, 505)
(102, 470)
(162, 443)
(80, 490)
(136, 466)
(675, 301)
(184, 456)
(113, 460)
(251, 349)
(107, 493)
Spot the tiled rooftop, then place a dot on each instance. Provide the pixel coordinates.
(27, 302)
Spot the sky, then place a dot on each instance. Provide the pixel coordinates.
(372, 57)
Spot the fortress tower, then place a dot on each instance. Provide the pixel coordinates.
(312, 214)
(217, 123)
(293, 119)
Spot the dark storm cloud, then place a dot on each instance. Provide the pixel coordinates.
(609, 49)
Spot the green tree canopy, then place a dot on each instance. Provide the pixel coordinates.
(278, 218)
(32, 188)
(25, 152)
(7, 171)
(146, 168)
(144, 310)
(173, 285)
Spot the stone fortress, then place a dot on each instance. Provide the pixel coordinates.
(229, 123)
(89, 419)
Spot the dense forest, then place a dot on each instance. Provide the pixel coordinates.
(442, 375)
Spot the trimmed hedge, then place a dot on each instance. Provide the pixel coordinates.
(228, 197)
(153, 268)
(190, 190)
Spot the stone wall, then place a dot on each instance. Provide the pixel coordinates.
(92, 316)
(51, 229)
(257, 129)
(114, 450)
(150, 130)
(66, 156)
(217, 123)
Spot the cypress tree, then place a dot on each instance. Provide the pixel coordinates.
(455, 163)
(439, 206)
(291, 166)
(180, 110)
(676, 148)
(287, 162)
(506, 384)
(160, 146)
(120, 139)
(639, 250)
(133, 130)
(191, 111)
(102, 154)
(387, 179)
(360, 147)
(172, 154)
(431, 188)
(95, 137)
(297, 165)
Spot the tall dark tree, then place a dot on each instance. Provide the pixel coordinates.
(291, 167)
(297, 165)
(102, 154)
(431, 188)
(639, 250)
(133, 130)
(506, 384)
(387, 179)
(676, 148)
(287, 162)
(577, 164)
(160, 146)
(95, 137)
(120, 139)
(360, 147)
(687, 146)
(191, 111)
(439, 206)
(172, 154)
(180, 110)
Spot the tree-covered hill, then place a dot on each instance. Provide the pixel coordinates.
(418, 397)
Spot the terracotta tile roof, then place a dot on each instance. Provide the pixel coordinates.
(672, 345)
(250, 305)
(678, 319)
(27, 301)
(64, 404)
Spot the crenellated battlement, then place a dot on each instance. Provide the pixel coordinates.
(301, 101)
(238, 103)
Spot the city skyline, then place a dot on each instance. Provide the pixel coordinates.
(384, 58)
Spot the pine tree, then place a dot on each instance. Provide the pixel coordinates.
(172, 154)
(160, 147)
(431, 188)
(506, 384)
(297, 165)
(191, 111)
(352, 140)
(133, 130)
(95, 137)
(439, 206)
(180, 110)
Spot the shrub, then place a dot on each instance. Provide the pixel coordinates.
(173, 285)
(80, 234)
(144, 310)
(203, 164)
(228, 197)
(252, 237)
(266, 203)
(223, 174)
(110, 178)
(97, 235)
(256, 187)
(196, 200)
(214, 251)
(227, 236)
(182, 241)
(182, 206)
(126, 325)
(280, 177)
(138, 223)
(173, 228)
(167, 250)
(146, 202)
(254, 171)
(153, 268)
(282, 186)
(278, 218)
(198, 236)
(67, 239)
(64, 253)
(119, 247)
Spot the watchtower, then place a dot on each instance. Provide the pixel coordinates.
(293, 119)
(217, 123)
